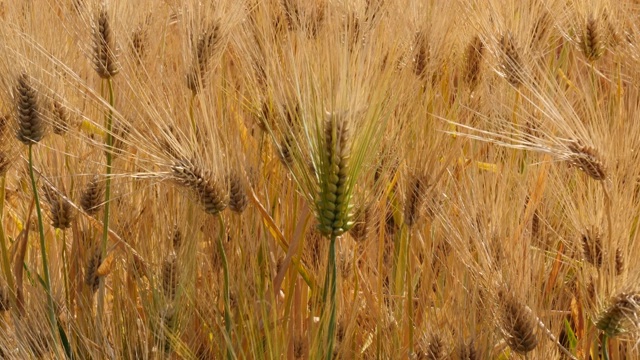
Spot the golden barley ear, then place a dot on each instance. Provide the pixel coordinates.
(621, 316)
(467, 351)
(105, 61)
(592, 246)
(207, 44)
(517, 324)
(4, 163)
(170, 276)
(92, 195)
(414, 200)
(591, 42)
(619, 261)
(28, 112)
(436, 348)
(139, 39)
(473, 66)
(511, 61)
(587, 159)
(210, 193)
(363, 223)
(60, 118)
(176, 239)
(423, 54)
(541, 29)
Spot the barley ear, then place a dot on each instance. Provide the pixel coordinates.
(517, 324)
(587, 159)
(105, 61)
(473, 65)
(333, 203)
(28, 112)
(621, 315)
(592, 44)
(210, 193)
(511, 61)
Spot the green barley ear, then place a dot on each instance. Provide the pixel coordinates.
(334, 209)
(105, 61)
(621, 316)
(28, 112)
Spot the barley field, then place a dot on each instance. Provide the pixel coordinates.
(319, 179)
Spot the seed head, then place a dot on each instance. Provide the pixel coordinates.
(592, 44)
(435, 350)
(621, 316)
(28, 114)
(209, 192)
(60, 118)
(474, 54)
(592, 246)
(91, 198)
(517, 324)
(333, 204)
(238, 200)
(91, 278)
(511, 61)
(587, 159)
(170, 276)
(105, 61)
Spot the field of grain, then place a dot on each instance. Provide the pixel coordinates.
(327, 179)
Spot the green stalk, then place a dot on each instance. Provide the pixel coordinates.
(5, 253)
(330, 289)
(225, 269)
(43, 250)
(605, 347)
(107, 195)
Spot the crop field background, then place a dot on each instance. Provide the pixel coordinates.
(329, 179)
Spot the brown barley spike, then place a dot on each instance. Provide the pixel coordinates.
(104, 57)
(209, 192)
(414, 200)
(91, 198)
(511, 61)
(30, 124)
(435, 350)
(587, 159)
(517, 324)
(592, 246)
(238, 200)
(170, 276)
